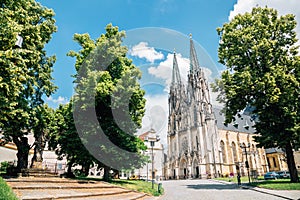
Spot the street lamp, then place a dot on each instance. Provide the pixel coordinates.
(19, 41)
(243, 146)
(147, 169)
(152, 138)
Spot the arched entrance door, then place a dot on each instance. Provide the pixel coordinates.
(196, 169)
(183, 174)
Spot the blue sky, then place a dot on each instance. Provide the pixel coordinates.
(91, 16)
(154, 28)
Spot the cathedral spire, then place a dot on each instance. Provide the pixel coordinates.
(194, 64)
(176, 80)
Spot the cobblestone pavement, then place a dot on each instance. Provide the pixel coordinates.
(215, 190)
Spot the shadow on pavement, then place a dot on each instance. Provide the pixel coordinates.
(213, 186)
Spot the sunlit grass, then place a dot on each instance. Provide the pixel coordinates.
(136, 185)
(244, 179)
(6, 192)
(279, 184)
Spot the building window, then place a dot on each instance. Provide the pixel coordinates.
(223, 152)
(274, 161)
(233, 146)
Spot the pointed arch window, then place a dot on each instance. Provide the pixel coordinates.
(195, 116)
(222, 144)
(197, 141)
(233, 146)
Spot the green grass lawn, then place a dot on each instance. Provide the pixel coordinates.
(279, 184)
(244, 179)
(137, 185)
(6, 192)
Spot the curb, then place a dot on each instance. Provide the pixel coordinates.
(261, 190)
(265, 192)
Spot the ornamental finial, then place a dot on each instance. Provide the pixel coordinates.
(191, 36)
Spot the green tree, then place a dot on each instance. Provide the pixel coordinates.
(41, 127)
(65, 141)
(25, 72)
(108, 89)
(263, 67)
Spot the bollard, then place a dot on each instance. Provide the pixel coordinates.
(159, 188)
(239, 180)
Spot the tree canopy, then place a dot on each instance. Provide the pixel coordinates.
(65, 141)
(109, 103)
(25, 68)
(263, 72)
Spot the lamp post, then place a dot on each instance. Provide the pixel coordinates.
(147, 170)
(152, 138)
(243, 146)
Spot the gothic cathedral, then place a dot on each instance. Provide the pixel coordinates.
(194, 139)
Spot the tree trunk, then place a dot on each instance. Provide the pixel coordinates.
(38, 151)
(86, 169)
(23, 152)
(106, 176)
(291, 163)
(69, 171)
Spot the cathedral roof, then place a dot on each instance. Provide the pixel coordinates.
(243, 124)
(273, 150)
(142, 136)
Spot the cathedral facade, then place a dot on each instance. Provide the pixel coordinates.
(200, 145)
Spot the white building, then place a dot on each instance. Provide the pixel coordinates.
(158, 157)
(8, 152)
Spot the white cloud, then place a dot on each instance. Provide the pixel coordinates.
(282, 6)
(164, 69)
(142, 50)
(59, 100)
(156, 116)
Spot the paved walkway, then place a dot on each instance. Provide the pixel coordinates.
(218, 190)
(34, 188)
(284, 194)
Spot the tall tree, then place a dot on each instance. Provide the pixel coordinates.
(65, 141)
(108, 90)
(263, 72)
(41, 127)
(25, 72)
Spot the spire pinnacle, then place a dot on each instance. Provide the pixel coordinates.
(175, 74)
(191, 36)
(194, 64)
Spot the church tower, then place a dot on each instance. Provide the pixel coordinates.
(192, 130)
(176, 101)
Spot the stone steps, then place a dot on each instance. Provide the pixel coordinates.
(119, 196)
(34, 172)
(43, 194)
(37, 188)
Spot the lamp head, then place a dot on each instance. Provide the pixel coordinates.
(19, 41)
